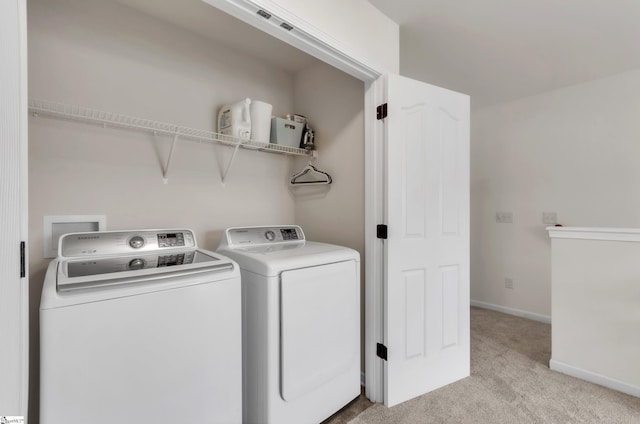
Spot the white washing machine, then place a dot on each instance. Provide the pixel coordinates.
(301, 324)
(140, 327)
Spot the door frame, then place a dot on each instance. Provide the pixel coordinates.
(309, 39)
(15, 301)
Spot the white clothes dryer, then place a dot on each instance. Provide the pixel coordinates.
(140, 327)
(301, 324)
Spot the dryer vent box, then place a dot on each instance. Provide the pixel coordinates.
(56, 226)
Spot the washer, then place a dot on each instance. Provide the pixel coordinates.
(301, 324)
(140, 327)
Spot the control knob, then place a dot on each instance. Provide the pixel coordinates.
(136, 242)
(270, 235)
(137, 263)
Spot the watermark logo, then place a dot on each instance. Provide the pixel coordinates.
(11, 420)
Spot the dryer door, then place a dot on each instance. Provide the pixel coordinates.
(319, 326)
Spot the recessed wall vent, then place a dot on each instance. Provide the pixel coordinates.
(57, 225)
(264, 14)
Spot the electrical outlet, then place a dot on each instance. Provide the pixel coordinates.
(508, 283)
(504, 217)
(549, 218)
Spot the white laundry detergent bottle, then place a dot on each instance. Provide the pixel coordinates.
(260, 121)
(235, 119)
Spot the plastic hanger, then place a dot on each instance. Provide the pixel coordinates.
(322, 177)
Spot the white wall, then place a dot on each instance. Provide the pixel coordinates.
(595, 335)
(106, 56)
(356, 24)
(573, 151)
(333, 103)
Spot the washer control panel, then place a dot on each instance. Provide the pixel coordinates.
(171, 239)
(256, 236)
(122, 242)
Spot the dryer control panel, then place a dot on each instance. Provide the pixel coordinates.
(123, 242)
(258, 236)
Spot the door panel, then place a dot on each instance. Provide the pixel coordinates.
(416, 309)
(427, 250)
(414, 174)
(449, 172)
(450, 309)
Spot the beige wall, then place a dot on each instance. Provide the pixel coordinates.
(109, 57)
(333, 103)
(106, 56)
(573, 151)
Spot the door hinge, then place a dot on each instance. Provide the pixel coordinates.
(22, 260)
(381, 351)
(381, 231)
(381, 111)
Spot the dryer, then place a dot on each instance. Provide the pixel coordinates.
(140, 327)
(301, 324)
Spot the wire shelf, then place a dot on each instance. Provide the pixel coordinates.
(109, 119)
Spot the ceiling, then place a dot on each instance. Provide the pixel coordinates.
(501, 50)
(216, 25)
(494, 50)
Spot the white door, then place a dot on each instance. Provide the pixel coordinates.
(426, 277)
(13, 195)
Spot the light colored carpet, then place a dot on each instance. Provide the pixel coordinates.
(510, 382)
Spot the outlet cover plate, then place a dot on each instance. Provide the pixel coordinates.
(549, 218)
(508, 283)
(504, 217)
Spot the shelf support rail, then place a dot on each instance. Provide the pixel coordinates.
(165, 170)
(233, 156)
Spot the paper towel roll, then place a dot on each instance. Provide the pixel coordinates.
(260, 121)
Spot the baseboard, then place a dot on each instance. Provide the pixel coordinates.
(511, 311)
(595, 378)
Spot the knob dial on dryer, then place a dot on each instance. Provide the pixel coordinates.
(136, 242)
(270, 235)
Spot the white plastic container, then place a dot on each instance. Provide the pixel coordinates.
(235, 119)
(286, 132)
(260, 121)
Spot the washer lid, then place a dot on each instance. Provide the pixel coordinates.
(270, 260)
(91, 272)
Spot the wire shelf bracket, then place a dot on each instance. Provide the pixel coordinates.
(165, 169)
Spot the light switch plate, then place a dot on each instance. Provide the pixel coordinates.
(504, 217)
